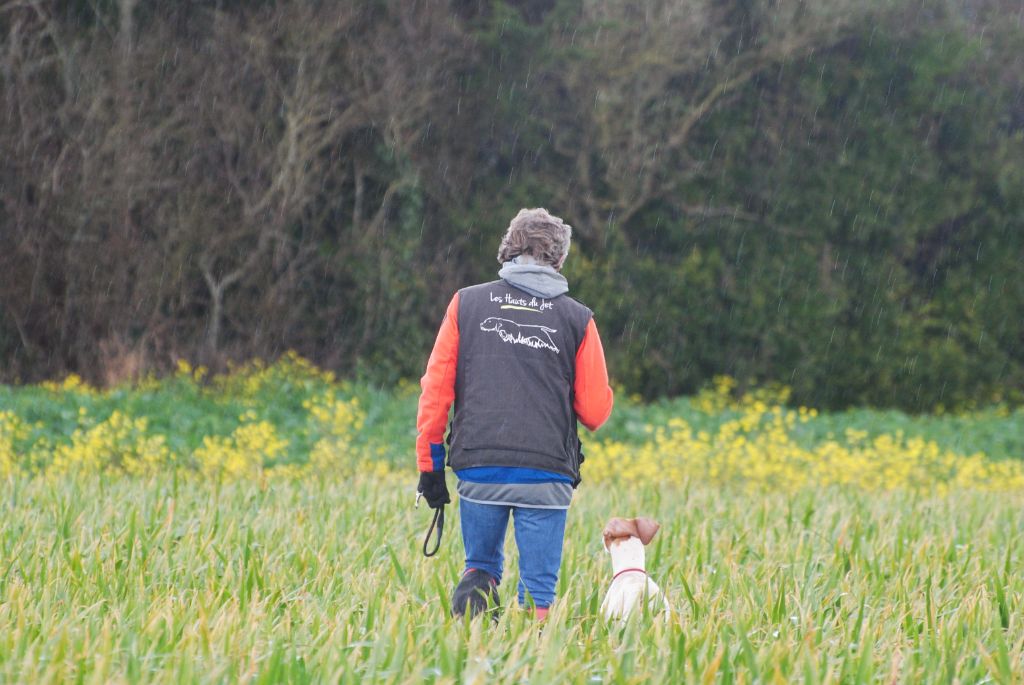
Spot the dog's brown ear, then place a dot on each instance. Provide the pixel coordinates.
(642, 527)
(618, 528)
(646, 528)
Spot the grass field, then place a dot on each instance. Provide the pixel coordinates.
(259, 527)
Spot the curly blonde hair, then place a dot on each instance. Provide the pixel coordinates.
(537, 233)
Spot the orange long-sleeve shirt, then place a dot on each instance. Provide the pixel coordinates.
(592, 403)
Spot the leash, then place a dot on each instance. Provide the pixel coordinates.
(437, 523)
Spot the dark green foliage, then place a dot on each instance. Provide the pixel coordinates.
(845, 217)
(877, 269)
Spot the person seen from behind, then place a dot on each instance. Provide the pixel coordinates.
(522, 362)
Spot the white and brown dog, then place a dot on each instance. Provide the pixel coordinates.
(625, 539)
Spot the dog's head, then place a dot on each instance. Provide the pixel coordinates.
(623, 529)
(491, 323)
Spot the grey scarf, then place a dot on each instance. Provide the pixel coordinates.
(533, 278)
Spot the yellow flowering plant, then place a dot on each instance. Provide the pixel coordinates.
(289, 419)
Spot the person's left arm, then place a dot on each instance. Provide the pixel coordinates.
(593, 395)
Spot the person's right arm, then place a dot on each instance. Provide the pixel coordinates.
(438, 393)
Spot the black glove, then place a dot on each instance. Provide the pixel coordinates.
(434, 489)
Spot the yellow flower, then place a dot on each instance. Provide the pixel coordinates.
(759, 450)
(240, 455)
(121, 443)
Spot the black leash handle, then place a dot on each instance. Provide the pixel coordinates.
(437, 523)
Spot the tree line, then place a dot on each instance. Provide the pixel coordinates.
(826, 195)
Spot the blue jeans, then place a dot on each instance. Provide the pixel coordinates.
(539, 536)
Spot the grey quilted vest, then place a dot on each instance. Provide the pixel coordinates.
(514, 381)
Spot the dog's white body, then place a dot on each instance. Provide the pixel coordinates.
(628, 590)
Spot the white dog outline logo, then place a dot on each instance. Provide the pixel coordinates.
(521, 334)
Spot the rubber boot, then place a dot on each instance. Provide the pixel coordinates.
(477, 590)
